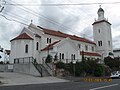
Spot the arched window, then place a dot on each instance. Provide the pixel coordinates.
(63, 56)
(47, 40)
(50, 40)
(60, 56)
(74, 56)
(26, 48)
(37, 46)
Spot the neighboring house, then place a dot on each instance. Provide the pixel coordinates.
(37, 42)
(116, 53)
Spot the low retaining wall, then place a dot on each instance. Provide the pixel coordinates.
(26, 69)
(6, 67)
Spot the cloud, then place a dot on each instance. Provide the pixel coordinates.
(68, 19)
(116, 42)
(58, 19)
(87, 32)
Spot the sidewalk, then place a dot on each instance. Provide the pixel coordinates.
(10, 78)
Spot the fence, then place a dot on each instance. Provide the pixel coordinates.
(70, 60)
(24, 60)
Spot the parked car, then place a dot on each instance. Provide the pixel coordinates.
(115, 74)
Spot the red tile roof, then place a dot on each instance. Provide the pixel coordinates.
(101, 21)
(50, 46)
(22, 36)
(89, 54)
(61, 34)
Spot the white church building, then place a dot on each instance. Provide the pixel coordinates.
(37, 42)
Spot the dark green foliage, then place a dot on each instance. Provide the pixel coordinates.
(56, 58)
(48, 59)
(112, 63)
(60, 65)
(99, 70)
(80, 68)
(69, 67)
(1, 62)
(86, 67)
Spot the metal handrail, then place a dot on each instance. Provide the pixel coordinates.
(37, 66)
(48, 66)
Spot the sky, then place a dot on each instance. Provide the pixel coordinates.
(71, 19)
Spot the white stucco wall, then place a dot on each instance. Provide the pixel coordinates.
(18, 49)
(104, 35)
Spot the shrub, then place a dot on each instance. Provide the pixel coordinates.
(112, 63)
(99, 70)
(56, 58)
(60, 65)
(1, 62)
(69, 67)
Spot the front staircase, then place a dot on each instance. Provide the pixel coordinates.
(43, 69)
(29, 65)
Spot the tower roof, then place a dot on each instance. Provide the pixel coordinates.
(100, 10)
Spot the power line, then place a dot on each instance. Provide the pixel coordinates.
(62, 4)
(13, 20)
(44, 17)
(48, 19)
(15, 15)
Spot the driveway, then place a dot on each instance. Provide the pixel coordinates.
(10, 78)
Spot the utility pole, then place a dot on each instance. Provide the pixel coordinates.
(2, 4)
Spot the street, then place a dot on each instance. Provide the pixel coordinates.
(114, 85)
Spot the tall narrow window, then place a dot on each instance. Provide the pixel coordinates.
(86, 47)
(63, 56)
(92, 48)
(74, 56)
(26, 48)
(60, 56)
(99, 43)
(99, 30)
(37, 46)
(109, 43)
(79, 46)
(47, 40)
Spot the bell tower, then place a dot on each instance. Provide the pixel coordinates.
(102, 34)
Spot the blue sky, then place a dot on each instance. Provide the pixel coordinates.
(69, 19)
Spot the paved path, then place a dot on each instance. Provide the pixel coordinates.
(8, 78)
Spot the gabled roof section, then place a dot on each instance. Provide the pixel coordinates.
(64, 35)
(50, 46)
(89, 54)
(22, 36)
